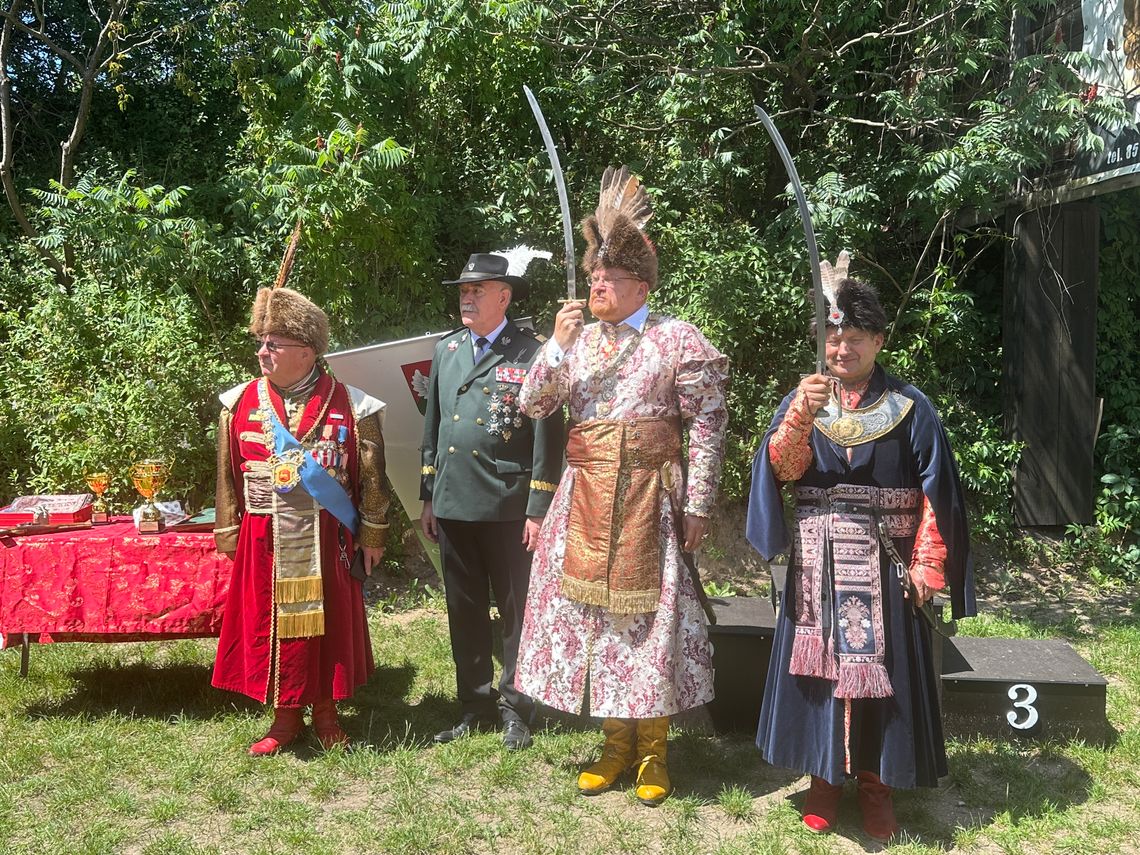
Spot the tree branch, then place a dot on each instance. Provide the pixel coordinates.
(7, 131)
(12, 19)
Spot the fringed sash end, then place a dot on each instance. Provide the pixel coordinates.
(586, 593)
(298, 590)
(301, 624)
(863, 680)
(634, 602)
(811, 657)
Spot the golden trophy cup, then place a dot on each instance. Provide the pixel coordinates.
(148, 477)
(99, 482)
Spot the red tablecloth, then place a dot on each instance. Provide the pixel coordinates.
(109, 583)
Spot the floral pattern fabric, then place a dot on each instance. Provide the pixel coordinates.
(642, 665)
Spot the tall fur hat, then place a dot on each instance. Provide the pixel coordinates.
(284, 312)
(859, 303)
(615, 235)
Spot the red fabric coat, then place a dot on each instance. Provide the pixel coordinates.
(310, 669)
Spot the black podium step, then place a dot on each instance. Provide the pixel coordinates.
(1021, 687)
(1004, 687)
(742, 646)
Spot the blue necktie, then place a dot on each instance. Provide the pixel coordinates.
(481, 343)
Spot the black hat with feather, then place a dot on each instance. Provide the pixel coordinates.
(615, 235)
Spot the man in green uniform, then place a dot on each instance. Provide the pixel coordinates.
(488, 476)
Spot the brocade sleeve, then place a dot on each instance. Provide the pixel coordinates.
(928, 560)
(701, 386)
(374, 497)
(546, 387)
(789, 449)
(227, 497)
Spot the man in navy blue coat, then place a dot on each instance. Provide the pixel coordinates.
(851, 688)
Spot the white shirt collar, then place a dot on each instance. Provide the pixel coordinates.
(491, 336)
(637, 319)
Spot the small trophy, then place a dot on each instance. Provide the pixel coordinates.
(99, 482)
(148, 477)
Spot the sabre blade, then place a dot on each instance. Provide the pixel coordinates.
(560, 183)
(809, 235)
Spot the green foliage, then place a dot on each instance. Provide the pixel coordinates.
(397, 134)
(101, 377)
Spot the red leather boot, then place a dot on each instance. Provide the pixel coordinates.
(327, 726)
(821, 805)
(877, 806)
(287, 724)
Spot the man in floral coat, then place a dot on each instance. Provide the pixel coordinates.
(612, 604)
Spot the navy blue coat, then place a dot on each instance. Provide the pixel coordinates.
(801, 724)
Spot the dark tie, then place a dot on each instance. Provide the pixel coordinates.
(481, 343)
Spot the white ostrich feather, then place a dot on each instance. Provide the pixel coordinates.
(519, 258)
(830, 277)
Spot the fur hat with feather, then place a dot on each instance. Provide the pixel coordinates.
(284, 312)
(615, 234)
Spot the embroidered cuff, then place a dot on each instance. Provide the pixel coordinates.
(789, 448)
(932, 577)
(554, 354)
(545, 486)
(427, 470)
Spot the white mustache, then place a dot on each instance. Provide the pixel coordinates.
(467, 307)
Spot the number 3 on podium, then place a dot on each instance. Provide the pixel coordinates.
(1025, 703)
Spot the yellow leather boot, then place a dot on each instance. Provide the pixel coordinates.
(617, 756)
(652, 774)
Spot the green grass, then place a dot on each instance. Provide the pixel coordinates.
(126, 748)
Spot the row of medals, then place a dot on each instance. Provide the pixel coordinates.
(331, 454)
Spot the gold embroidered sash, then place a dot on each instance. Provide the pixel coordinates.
(297, 588)
(613, 545)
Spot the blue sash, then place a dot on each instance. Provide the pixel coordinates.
(324, 488)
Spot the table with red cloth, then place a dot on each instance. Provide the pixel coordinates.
(109, 583)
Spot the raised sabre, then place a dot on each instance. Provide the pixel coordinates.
(563, 200)
(809, 234)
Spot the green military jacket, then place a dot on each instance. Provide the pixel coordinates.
(482, 458)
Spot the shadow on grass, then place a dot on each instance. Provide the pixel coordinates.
(145, 690)
(380, 715)
(983, 786)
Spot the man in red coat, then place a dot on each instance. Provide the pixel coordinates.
(300, 488)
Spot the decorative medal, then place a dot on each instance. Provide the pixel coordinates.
(287, 470)
(325, 451)
(847, 428)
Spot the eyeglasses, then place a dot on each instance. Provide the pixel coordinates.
(598, 279)
(274, 346)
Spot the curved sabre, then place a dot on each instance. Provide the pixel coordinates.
(563, 200)
(809, 234)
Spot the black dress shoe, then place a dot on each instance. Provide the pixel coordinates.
(516, 735)
(470, 723)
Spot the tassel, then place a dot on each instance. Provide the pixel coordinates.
(863, 680)
(586, 593)
(807, 655)
(300, 624)
(634, 602)
(306, 589)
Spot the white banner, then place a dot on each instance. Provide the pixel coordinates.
(397, 373)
